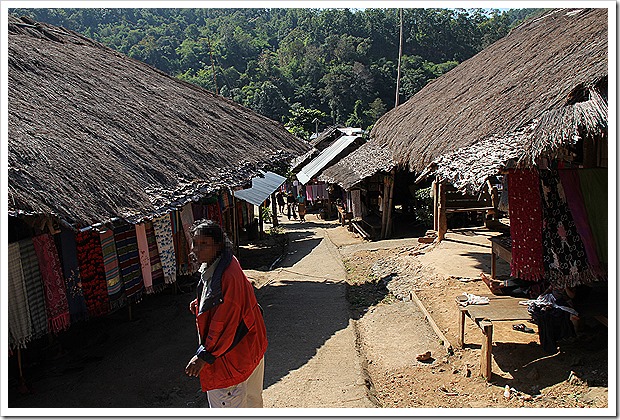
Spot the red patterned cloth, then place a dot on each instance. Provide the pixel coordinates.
(92, 272)
(53, 281)
(526, 223)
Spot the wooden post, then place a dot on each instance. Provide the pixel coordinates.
(260, 221)
(388, 227)
(434, 189)
(235, 228)
(385, 201)
(442, 221)
(274, 210)
(487, 344)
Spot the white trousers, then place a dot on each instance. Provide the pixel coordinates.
(247, 394)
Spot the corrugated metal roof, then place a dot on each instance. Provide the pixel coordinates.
(324, 158)
(261, 188)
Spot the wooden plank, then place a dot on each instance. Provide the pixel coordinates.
(431, 321)
(443, 222)
(499, 308)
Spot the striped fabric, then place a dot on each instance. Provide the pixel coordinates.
(116, 289)
(53, 283)
(187, 220)
(20, 327)
(129, 261)
(71, 271)
(157, 272)
(165, 247)
(34, 288)
(145, 259)
(92, 272)
(181, 246)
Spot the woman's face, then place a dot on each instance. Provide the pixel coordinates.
(205, 249)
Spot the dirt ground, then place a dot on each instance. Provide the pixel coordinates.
(348, 338)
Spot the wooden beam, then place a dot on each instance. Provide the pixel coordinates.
(434, 189)
(487, 344)
(274, 210)
(442, 221)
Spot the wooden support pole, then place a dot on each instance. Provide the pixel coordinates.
(260, 221)
(442, 221)
(434, 189)
(384, 212)
(487, 344)
(235, 227)
(274, 210)
(388, 227)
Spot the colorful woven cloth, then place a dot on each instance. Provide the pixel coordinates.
(564, 255)
(92, 272)
(165, 247)
(20, 327)
(53, 283)
(181, 246)
(214, 213)
(572, 189)
(145, 259)
(157, 272)
(595, 195)
(116, 289)
(71, 272)
(525, 224)
(34, 288)
(187, 220)
(129, 261)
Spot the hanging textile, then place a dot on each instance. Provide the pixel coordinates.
(92, 272)
(563, 252)
(574, 197)
(199, 211)
(56, 303)
(356, 203)
(187, 220)
(34, 288)
(20, 327)
(525, 224)
(503, 197)
(165, 247)
(144, 256)
(71, 272)
(594, 188)
(157, 272)
(116, 289)
(129, 261)
(214, 213)
(181, 246)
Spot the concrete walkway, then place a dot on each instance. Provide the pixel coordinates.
(312, 359)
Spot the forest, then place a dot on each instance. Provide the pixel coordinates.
(296, 64)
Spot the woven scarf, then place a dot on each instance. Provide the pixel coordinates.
(165, 247)
(564, 255)
(71, 272)
(129, 261)
(181, 246)
(525, 224)
(34, 288)
(574, 197)
(20, 327)
(595, 195)
(187, 220)
(214, 213)
(116, 289)
(53, 283)
(92, 272)
(145, 258)
(157, 272)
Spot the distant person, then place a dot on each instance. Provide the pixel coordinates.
(281, 203)
(290, 206)
(232, 337)
(301, 207)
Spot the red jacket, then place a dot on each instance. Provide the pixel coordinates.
(230, 326)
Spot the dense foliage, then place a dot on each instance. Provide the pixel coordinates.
(296, 65)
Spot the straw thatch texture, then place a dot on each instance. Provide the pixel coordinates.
(362, 163)
(528, 75)
(94, 134)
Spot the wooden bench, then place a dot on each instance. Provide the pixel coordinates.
(367, 228)
(457, 202)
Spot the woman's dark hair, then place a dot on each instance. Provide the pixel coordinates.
(208, 228)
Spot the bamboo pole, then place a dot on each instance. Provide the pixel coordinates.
(274, 210)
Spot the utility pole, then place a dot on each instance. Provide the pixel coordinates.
(400, 54)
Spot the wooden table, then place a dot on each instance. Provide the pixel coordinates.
(499, 308)
(501, 246)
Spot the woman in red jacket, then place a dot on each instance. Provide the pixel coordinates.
(231, 330)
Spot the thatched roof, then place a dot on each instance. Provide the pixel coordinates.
(362, 163)
(533, 76)
(95, 135)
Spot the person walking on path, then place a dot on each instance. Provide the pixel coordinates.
(280, 199)
(301, 207)
(290, 206)
(232, 336)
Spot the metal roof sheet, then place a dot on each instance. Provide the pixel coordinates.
(261, 188)
(324, 158)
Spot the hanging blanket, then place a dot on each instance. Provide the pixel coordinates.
(129, 261)
(165, 247)
(157, 272)
(71, 272)
(51, 273)
(187, 220)
(34, 288)
(116, 289)
(92, 272)
(181, 246)
(214, 213)
(525, 225)
(20, 327)
(145, 258)
(574, 198)
(564, 254)
(595, 195)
